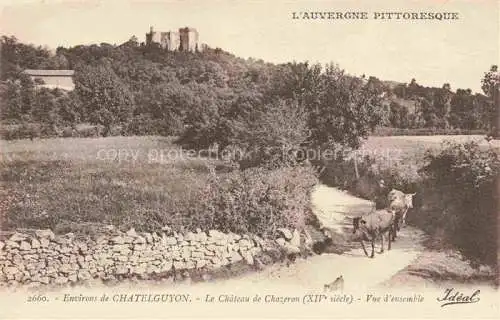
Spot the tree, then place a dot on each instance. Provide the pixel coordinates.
(59, 61)
(464, 110)
(344, 110)
(442, 105)
(9, 59)
(133, 42)
(398, 115)
(107, 100)
(46, 107)
(428, 112)
(70, 108)
(341, 108)
(28, 94)
(273, 136)
(11, 101)
(491, 87)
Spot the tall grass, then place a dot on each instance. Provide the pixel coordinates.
(58, 183)
(76, 184)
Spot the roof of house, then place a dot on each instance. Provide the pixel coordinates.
(40, 72)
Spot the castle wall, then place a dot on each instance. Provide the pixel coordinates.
(186, 39)
(156, 37)
(172, 40)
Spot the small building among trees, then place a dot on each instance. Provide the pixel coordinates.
(61, 79)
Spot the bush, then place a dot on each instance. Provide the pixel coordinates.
(272, 138)
(48, 131)
(252, 201)
(141, 125)
(23, 131)
(257, 200)
(88, 132)
(460, 199)
(116, 131)
(69, 132)
(144, 125)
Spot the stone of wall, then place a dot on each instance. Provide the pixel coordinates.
(39, 257)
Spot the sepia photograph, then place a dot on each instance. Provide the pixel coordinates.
(173, 159)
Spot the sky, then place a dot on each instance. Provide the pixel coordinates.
(433, 52)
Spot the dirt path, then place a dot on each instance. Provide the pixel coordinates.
(332, 206)
(359, 272)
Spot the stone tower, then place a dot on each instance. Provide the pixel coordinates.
(186, 39)
(153, 36)
(171, 41)
(189, 39)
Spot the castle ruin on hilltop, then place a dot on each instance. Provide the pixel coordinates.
(186, 39)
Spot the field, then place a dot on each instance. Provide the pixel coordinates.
(404, 155)
(71, 184)
(74, 184)
(411, 146)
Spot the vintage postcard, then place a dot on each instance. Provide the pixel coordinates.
(280, 159)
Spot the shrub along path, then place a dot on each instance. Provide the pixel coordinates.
(333, 208)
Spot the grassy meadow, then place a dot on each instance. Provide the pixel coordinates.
(75, 184)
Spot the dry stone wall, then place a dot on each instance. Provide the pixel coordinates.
(39, 257)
